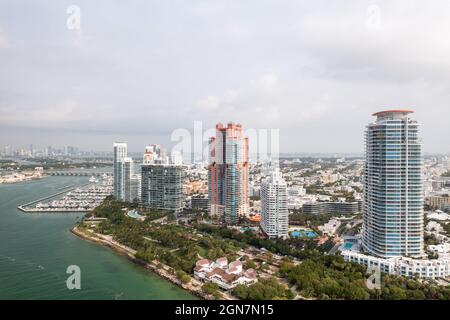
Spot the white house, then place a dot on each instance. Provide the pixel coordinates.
(227, 276)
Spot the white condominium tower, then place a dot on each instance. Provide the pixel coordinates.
(120, 153)
(393, 195)
(274, 211)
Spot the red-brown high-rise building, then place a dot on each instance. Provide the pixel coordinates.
(228, 173)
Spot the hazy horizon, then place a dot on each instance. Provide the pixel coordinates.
(136, 71)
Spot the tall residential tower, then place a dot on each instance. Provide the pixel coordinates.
(228, 173)
(162, 186)
(120, 153)
(393, 187)
(131, 181)
(274, 210)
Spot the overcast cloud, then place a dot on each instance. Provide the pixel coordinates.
(137, 70)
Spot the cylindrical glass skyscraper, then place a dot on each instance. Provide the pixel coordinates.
(393, 187)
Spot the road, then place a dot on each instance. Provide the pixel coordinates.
(342, 231)
(335, 248)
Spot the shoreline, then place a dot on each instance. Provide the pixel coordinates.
(23, 180)
(153, 266)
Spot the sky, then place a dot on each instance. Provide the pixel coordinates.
(137, 70)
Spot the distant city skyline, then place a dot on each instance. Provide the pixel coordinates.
(315, 71)
(138, 153)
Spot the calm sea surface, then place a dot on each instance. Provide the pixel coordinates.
(36, 249)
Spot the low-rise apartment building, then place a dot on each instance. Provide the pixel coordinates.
(346, 208)
(403, 266)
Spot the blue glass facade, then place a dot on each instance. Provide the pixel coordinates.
(393, 196)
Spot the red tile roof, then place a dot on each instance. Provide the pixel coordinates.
(250, 273)
(203, 262)
(222, 274)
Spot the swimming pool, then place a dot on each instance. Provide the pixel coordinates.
(133, 214)
(303, 234)
(348, 245)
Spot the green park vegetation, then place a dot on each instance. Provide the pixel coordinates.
(316, 189)
(210, 288)
(299, 248)
(115, 210)
(183, 276)
(318, 276)
(330, 277)
(309, 220)
(176, 246)
(264, 289)
(250, 264)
